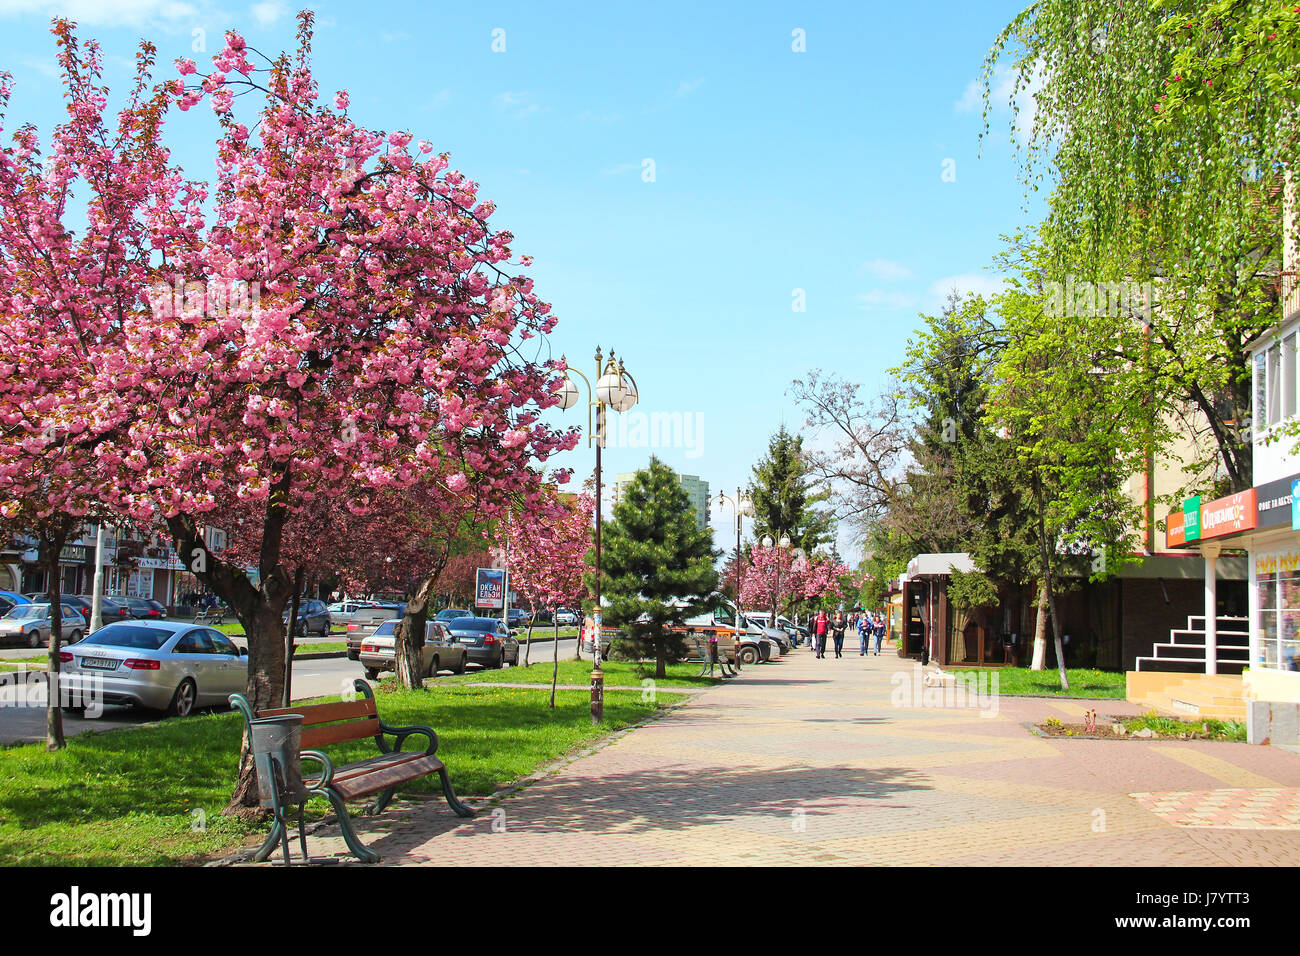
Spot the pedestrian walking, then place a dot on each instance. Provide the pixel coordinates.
(819, 633)
(837, 632)
(880, 633)
(864, 632)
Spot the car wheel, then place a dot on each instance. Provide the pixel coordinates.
(749, 655)
(354, 655)
(34, 639)
(372, 673)
(325, 629)
(183, 700)
(461, 668)
(73, 637)
(434, 666)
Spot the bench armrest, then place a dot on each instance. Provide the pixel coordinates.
(401, 733)
(326, 770)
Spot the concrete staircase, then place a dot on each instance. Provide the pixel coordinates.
(1220, 696)
(1184, 652)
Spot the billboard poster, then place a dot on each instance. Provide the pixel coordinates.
(490, 589)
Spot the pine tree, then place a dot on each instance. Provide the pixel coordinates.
(657, 564)
(785, 504)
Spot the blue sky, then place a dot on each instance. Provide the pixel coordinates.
(773, 171)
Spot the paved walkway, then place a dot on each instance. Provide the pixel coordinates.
(843, 762)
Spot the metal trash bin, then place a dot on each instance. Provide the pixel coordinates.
(276, 743)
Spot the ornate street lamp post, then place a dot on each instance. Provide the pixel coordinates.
(616, 389)
(739, 505)
(784, 544)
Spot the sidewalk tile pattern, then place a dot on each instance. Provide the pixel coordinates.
(804, 761)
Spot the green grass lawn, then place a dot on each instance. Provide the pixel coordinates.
(545, 632)
(1021, 681)
(324, 647)
(129, 797)
(617, 674)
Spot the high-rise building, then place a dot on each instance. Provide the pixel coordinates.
(695, 487)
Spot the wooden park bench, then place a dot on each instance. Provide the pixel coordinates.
(210, 616)
(381, 775)
(702, 650)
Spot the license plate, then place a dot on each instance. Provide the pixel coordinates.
(99, 663)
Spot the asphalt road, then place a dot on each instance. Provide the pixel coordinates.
(22, 707)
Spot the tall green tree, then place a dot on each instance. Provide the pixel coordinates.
(657, 564)
(785, 503)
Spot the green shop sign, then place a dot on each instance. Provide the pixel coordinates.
(1192, 519)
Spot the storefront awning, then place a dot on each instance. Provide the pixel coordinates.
(931, 565)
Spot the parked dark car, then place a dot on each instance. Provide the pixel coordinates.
(9, 600)
(313, 618)
(143, 608)
(489, 642)
(518, 617)
(544, 616)
(449, 614)
(82, 604)
(112, 609)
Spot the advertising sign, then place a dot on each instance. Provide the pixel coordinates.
(1192, 519)
(490, 589)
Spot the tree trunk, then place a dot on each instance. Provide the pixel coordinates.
(52, 545)
(1056, 634)
(661, 658)
(259, 609)
(529, 639)
(555, 661)
(1046, 554)
(1040, 629)
(409, 637)
(289, 635)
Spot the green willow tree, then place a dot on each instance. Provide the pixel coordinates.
(657, 564)
(1176, 207)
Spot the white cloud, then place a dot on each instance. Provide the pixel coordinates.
(687, 87)
(1003, 94)
(518, 105)
(120, 13)
(979, 283)
(620, 169)
(886, 270)
(268, 12)
(881, 299)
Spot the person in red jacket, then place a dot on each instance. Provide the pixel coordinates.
(819, 629)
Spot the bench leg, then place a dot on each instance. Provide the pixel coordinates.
(272, 841)
(452, 800)
(357, 848)
(381, 802)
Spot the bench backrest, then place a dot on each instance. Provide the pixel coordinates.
(325, 724)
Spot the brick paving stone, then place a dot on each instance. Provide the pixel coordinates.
(841, 762)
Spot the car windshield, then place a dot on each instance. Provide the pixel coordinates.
(26, 612)
(451, 614)
(130, 635)
(474, 624)
(386, 629)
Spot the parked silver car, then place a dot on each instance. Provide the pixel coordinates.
(160, 665)
(440, 652)
(31, 624)
(364, 622)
